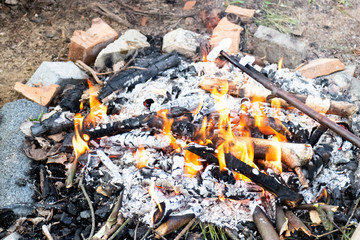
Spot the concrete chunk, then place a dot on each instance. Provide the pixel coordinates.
(86, 46)
(15, 186)
(60, 73)
(182, 41)
(321, 67)
(121, 48)
(273, 45)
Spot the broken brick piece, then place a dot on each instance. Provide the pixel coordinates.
(41, 95)
(189, 5)
(245, 14)
(85, 46)
(227, 29)
(321, 67)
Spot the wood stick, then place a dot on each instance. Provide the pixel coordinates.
(264, 225)
(173, 223)
(250, 90)
(285, 194)
(323, 120)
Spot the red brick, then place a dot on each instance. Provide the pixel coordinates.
(227, 29)
(245, 14)
(189, 5)
(85, 46)
(321, 67)
(41, 95)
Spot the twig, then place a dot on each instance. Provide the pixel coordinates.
(159, 234)
(323, 120)
(353, 211)
(130, 61)
(186, 228)
(136, 228)
(90, 206)
(131, 67)
(46, 232)
(120, 229)
(104, 11)
(153, 13)
(333, 231)
(90, 70)
(146, 234)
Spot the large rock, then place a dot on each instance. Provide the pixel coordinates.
(121, 48)
(182, 41)
(15, 184)
(60, 73)
(273, 45)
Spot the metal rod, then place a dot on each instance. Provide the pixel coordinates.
(323, 120)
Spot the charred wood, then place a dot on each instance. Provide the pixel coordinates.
(285, 194)
(58, 122)
(278, 92)
(136, 140)
(181, 127)
(130, 78)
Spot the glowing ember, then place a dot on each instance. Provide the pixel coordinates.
(141, 157)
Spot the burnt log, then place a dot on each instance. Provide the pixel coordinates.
(58, 122)
(271, 184)
(180, 126)
(130, 78)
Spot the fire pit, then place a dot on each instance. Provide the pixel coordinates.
(170, 143)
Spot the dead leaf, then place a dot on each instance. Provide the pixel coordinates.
(25, 127)
(60, 158)
(57, 137)
(36, 220)
(356, 51)
(315, 218)
(101, 191)
(297, 223)
(43, 212)
(43, 142)
(59, 185)
(143, 21)
(36, 154)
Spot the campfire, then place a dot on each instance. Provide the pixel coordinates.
(169, 141)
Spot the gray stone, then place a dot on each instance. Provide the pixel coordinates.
(14, 164)
(121, 48)
(274, 45)
(341, 81)
(60, 73)
(85, 214)
(182, 41)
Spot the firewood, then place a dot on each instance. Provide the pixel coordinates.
(250, 90)
(130, 78)
(269, 183)
(278, 92)
(58, 122)
(173, 223)
(264, 225)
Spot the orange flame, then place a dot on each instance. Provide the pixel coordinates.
(80, 145)
(141, 157)
(153, 196)
(280, 63)
(192, 164)
(97, 109)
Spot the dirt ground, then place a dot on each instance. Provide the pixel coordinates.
(33, 31)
